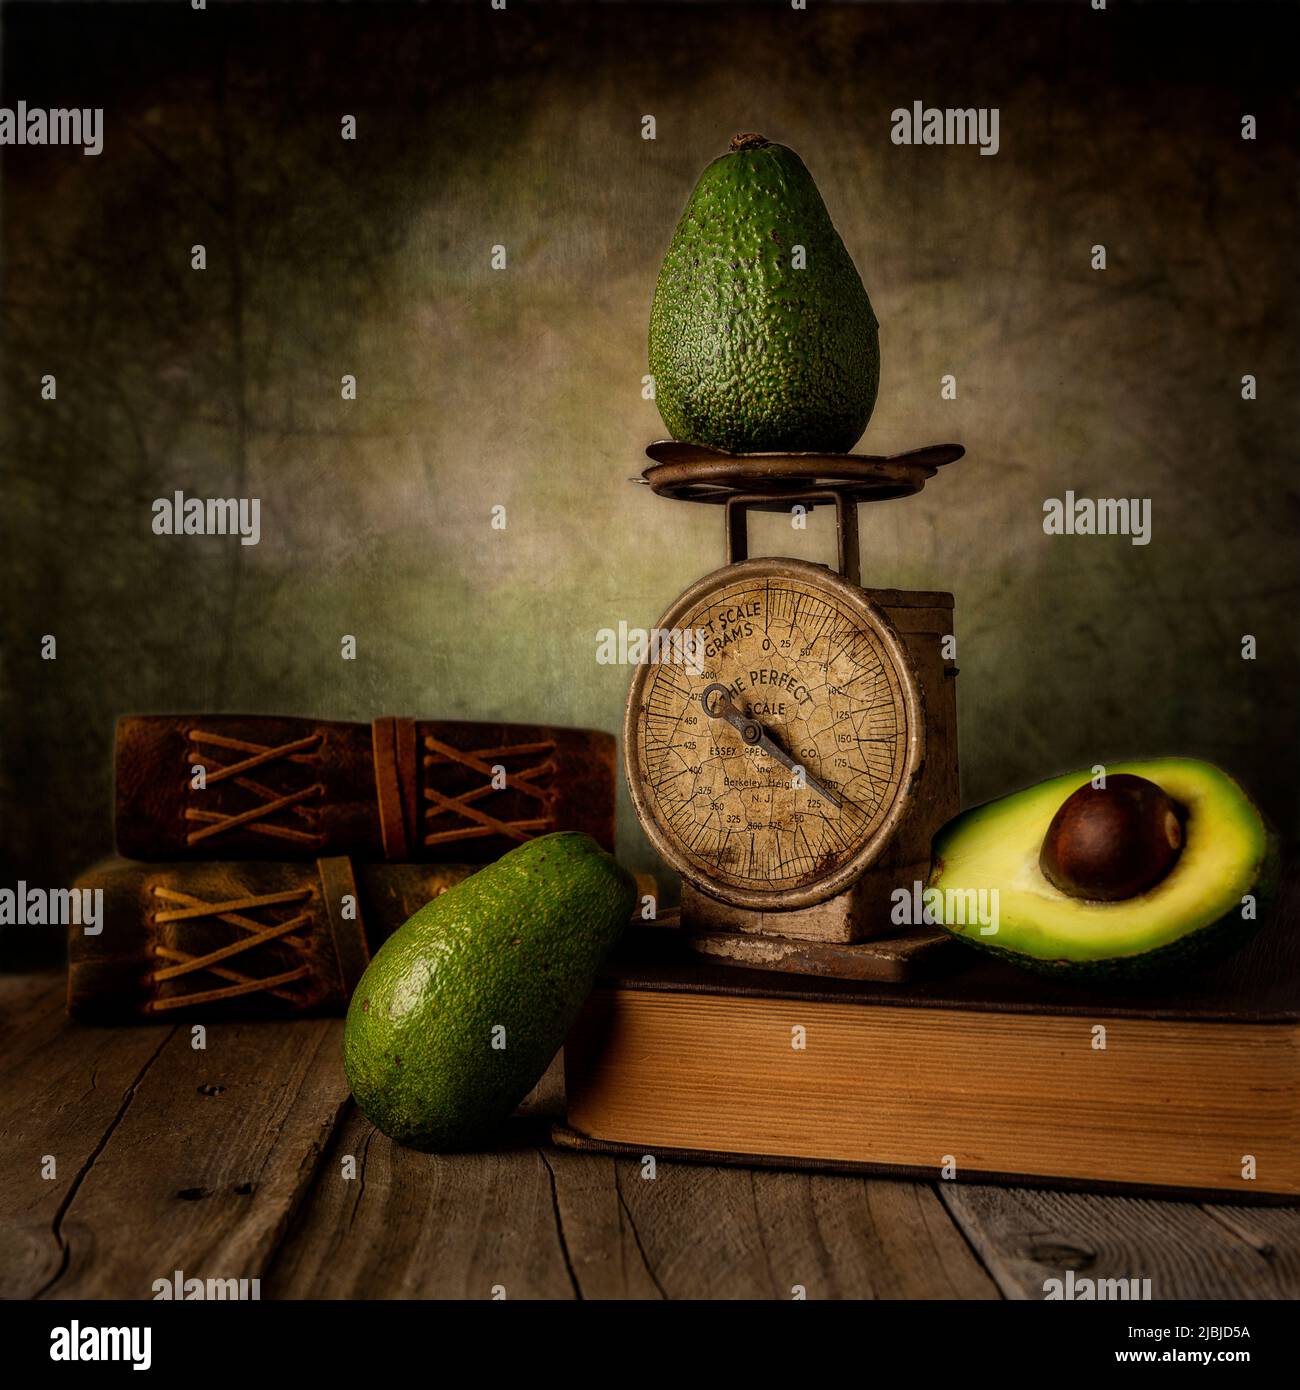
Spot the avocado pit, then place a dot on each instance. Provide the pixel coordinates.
(1112, 842)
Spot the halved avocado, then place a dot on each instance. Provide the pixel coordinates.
(1198, 909)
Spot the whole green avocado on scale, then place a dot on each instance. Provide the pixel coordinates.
(762, 337)
(464, 1006)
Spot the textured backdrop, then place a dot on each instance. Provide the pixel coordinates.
(522, 386)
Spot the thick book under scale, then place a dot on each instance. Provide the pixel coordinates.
(1190, 1090)
(236, 786)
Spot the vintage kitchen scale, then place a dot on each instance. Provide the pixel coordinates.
(796, 779)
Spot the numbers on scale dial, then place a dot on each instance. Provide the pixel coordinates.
(816, 678)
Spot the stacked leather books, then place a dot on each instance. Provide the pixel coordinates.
(267, 857)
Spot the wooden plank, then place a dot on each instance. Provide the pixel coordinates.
(25, 997)
(571, 1233)
(1027, 1237)
(734, 1233)
(414, 1225)
(208, 1158)
(907, 1247)
(603, 1245)
(700, 1231)
(62, 1090)
(1274, 1234)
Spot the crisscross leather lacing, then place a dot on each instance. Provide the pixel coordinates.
(462, 808)
(268, 803)
(190, 908)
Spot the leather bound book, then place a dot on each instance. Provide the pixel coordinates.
(247, 940)
(234, 786)
(1191, 1088)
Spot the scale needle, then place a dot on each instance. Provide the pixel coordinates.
(756, 736)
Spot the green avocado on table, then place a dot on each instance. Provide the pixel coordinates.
(464, 1006)
(762, 337)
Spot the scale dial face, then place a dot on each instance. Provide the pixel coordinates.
(824, 707)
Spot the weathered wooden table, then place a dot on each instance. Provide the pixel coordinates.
(128, 1154)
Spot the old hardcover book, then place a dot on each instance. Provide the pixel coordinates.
(234, 786)
(245, 940)
(994, 1073)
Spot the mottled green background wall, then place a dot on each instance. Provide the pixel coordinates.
(523, 386)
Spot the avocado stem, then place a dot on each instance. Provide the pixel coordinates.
(749, 141)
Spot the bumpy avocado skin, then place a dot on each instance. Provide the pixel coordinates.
(517, 945)
(747, 352)
(1199, 947)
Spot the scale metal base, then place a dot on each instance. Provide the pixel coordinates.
(914, 954)
(848, 937)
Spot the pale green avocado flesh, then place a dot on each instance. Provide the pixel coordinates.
(1228, 856)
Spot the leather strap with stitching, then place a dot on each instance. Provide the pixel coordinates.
(347, 933)
(396, 775)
